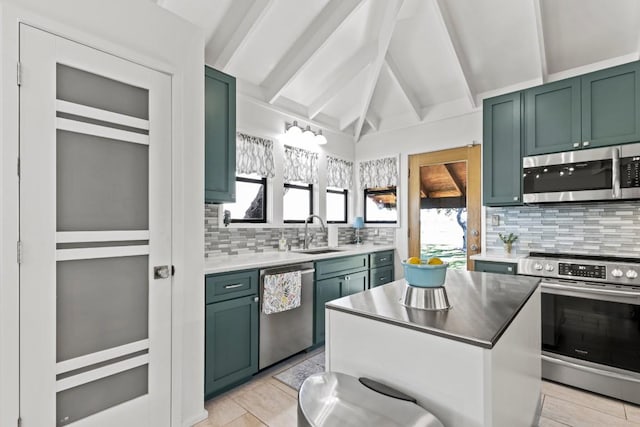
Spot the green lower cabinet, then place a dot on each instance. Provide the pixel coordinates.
(381, 276)
(231, 343)
(496, 267)
(326, 290)
(354, 283)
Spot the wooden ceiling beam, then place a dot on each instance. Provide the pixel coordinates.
(452, 44)
(405, 89)
(542, 51)
(234, 31)
(307, 46)
(443, 193)
(343, 76)
(456, 181)
(392, 9)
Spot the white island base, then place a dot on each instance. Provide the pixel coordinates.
(463, 385)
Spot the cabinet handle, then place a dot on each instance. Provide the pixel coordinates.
(382, 259)
(509, 268)
(237, 285)
(515, 198)
(256, 299)
(585, 144)
(576, 144)
(347, 277)
(381, 279)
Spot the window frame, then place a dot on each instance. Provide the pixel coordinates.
(308, 187)
(262, 220)
(344, 192)
(368, 191)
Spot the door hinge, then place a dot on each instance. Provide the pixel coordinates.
(173, 270)
(19, 421)
(18, 167)
(19, 74)
(19, 252)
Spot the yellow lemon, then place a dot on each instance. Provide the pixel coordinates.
(435, 261)
(413, 260)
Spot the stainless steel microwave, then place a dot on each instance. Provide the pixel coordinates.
(608, 173)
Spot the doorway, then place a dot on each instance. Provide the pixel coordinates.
(444, 205)
(95, 231)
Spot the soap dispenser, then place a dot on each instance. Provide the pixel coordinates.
(282, 243)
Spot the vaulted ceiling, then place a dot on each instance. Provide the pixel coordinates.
(363, 66)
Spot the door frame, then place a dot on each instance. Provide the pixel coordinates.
(472, 155)
(187, 214)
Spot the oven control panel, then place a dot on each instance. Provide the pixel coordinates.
(630, 172)
(582, 270)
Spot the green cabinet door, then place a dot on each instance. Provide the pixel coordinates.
(231, 343)
(552, 117)
(354, 283)
(381, 276)
(326, 290)
(501, 150)
(219, 137)
(611, 106)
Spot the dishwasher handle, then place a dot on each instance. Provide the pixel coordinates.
(308, 271)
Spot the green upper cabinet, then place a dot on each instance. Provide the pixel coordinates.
(611, 106)
(220, 137)
(501, 150)
(552, 117)
(594, 110)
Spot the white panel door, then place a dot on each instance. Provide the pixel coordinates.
(95, 219)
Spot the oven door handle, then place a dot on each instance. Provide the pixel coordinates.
(589, 369)
(620, 294)
(615, 173)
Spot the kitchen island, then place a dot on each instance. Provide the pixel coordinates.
(477, 364)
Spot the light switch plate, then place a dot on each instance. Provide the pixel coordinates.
(495, 220)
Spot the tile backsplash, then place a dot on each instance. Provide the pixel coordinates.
(608, 228)
(219, 241)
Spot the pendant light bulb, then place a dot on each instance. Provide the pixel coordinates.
(320, 138)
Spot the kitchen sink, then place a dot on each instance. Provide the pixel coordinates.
(316, 251)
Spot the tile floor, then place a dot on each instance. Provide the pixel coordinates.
(265, 401)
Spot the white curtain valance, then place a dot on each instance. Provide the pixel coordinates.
(339, 173)
(300, 165)
(379, 173)
(254, 155)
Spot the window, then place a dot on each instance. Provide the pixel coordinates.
(251, 200)
(297, 202)
(380, 205)
(337, 205)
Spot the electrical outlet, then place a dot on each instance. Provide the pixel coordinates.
(495, 220)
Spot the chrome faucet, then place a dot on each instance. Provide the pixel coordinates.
(308, 238)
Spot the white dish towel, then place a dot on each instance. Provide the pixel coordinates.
(281, 292)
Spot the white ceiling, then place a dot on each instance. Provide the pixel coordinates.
(363, 66)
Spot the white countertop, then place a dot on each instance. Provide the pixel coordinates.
(498, 256)
(225, 263)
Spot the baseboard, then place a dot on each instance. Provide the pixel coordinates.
(195, 420)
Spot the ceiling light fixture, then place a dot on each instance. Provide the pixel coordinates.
(320, 138)
(293, 132)
(308, 135)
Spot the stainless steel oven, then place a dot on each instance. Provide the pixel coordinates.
(608, 173)
(590, 321)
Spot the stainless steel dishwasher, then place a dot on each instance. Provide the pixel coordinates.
(289, 332)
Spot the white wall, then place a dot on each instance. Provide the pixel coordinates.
(428, 137)
(141, 31)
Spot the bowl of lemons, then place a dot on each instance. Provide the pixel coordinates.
(429, 273)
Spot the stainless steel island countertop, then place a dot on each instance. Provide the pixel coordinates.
(483, 306)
